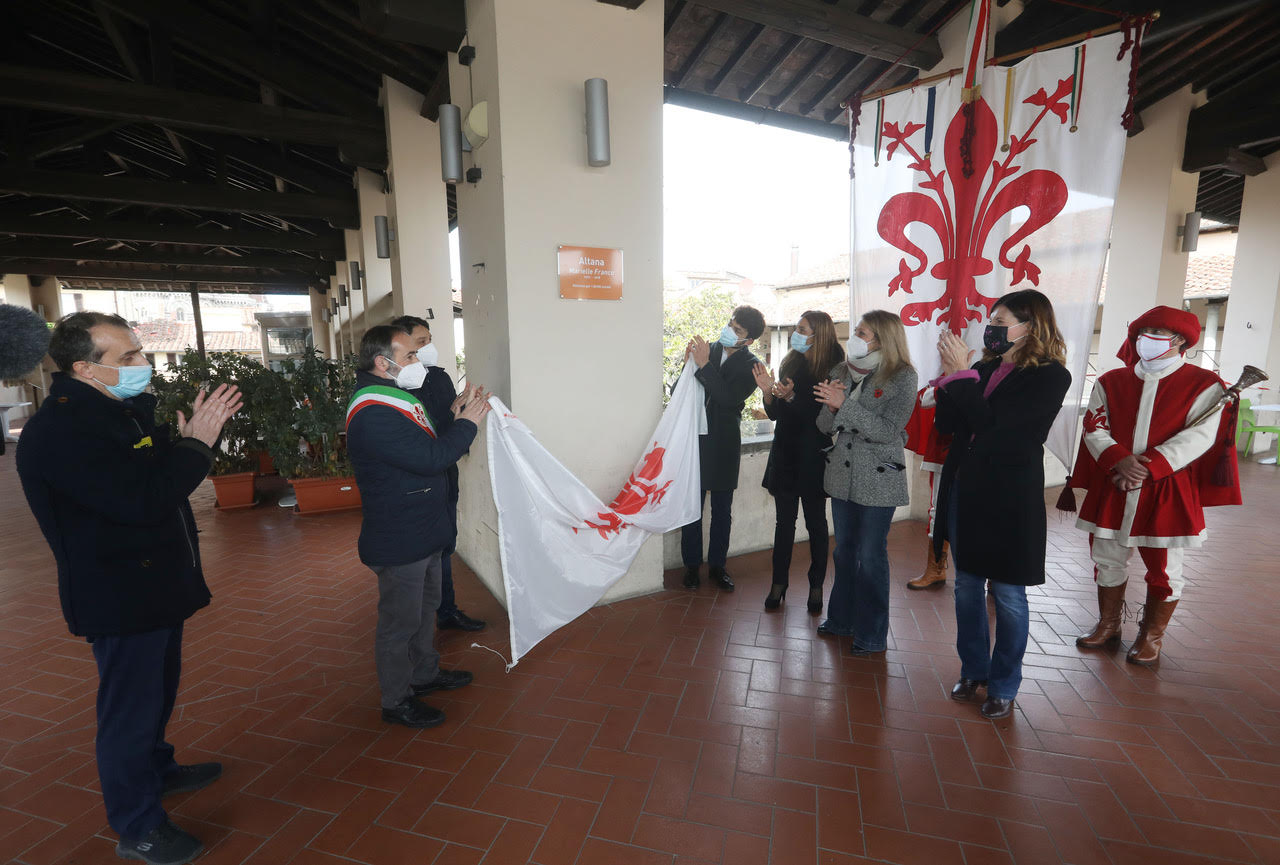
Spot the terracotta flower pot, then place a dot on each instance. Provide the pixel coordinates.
(321, 495)
(234, 491)
(266, 465)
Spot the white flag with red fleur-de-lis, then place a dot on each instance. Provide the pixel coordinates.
(957, 202)
(562, 547)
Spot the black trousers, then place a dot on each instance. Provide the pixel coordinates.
(721, 522)
(137, 685)
(784, 536)
(448, 604)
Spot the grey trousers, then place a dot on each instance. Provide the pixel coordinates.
(404, 647)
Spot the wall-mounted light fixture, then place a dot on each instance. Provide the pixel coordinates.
(342, 295)
(450, 143)
(357, 275)
(326, 316)
(382, 236)
(333, 305)
(1189, 231)
(476, 126)
(597, 94)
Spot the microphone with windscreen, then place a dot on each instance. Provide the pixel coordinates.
(24, 339)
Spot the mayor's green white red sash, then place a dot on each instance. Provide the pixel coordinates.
(393, 397)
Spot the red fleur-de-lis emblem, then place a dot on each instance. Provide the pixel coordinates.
(640, 489)
(964, 203)
(1096, 419)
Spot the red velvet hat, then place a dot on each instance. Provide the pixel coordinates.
(1181, 322)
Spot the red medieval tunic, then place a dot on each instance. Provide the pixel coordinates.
(923, 437)
(1132, 411)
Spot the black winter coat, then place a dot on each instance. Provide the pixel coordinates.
(996, 465)
(400, 470)
(727, 388)
(797, 457)
(437, 395)
(114, 509)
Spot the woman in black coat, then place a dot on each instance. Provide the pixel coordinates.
(991, 501)
(797, 456)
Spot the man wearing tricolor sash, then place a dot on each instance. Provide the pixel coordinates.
(400, 461)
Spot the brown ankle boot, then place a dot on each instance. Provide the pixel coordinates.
(935, 570)
(1155, 618)
(1110, 604)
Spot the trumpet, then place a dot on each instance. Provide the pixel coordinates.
(1250, 376)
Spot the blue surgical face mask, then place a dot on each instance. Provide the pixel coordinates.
(800, 342)
(133, 380)
(728, 338)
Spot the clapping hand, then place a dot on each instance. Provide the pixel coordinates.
(830, 393)
(955, 355)
(209, 412)
(764, 380)
(472, 405)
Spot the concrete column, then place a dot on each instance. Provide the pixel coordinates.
(419, 210)
(378, 305)
(320, 334)
(353, 312)
(1209, 340)
(1146, 266)
(42, 295)
(1253, 314)
(584, 375)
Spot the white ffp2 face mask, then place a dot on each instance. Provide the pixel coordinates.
(411, 375)
(858, 347)
(429, 355)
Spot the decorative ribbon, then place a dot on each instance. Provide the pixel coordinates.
(1134, 27)
(879, 128)
(400, 400)
(928, 124)
(1077, 87)
(1009, 79)
(976, 56)
(855, 115)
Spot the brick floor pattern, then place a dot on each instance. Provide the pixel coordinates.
(682, 727)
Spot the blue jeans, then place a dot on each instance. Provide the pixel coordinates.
(859, 605)
(1000, 667)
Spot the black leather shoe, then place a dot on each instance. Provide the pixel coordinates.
(459, 621)
(411, 713)
(184, 779)
(995, 708)
(445, 680)
(855, 649)
(691, 578)
(720, 577)
(776, 593)
(824, 631)
(965, 689)
(164, 845)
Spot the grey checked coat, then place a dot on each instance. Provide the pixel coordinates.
(867, 465)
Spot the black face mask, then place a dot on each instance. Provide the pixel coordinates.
(996, 338)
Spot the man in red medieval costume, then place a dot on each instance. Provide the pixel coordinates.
(1149, 472)
(924, 439)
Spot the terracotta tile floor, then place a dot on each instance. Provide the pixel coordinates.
(690, 728)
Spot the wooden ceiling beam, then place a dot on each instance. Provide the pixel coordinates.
(89, 270)
(735, 60)
(695, 56)
(837, 26)
(329, 244)
(801, 78)
(58, 251)
(341, 212)
(785, 50)
(363, 138)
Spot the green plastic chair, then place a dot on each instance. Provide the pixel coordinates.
(1248, 424)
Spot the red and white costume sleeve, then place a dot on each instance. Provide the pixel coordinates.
(924, 439)
(1134, 411)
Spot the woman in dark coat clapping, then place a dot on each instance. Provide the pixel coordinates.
(991, 501)
(793, 475)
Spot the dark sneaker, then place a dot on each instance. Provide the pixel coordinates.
(165, 845)
(445, 680)
(411, 713)
(184, 779)
(459, 621)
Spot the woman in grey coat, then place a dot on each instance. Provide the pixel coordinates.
(868, 400)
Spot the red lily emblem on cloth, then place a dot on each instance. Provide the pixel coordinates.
(1096, 420)
(967, 201)
(635, 495)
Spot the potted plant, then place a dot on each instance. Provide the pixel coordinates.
(234, 459)
(303, 411)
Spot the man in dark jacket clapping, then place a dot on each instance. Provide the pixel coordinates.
(401, 458)
(109, 489)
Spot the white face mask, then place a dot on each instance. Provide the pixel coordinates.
(1151, 347)
(858, 347)
(429, 355)
(411, 375)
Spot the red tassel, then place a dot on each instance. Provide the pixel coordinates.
(1225, 473)
(1067, 500)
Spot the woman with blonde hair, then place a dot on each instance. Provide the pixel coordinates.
(793, 475)
(991, 499)
(868, 401)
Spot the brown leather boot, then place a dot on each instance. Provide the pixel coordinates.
(935, 569)
(1155, 618)
(1110, 604)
